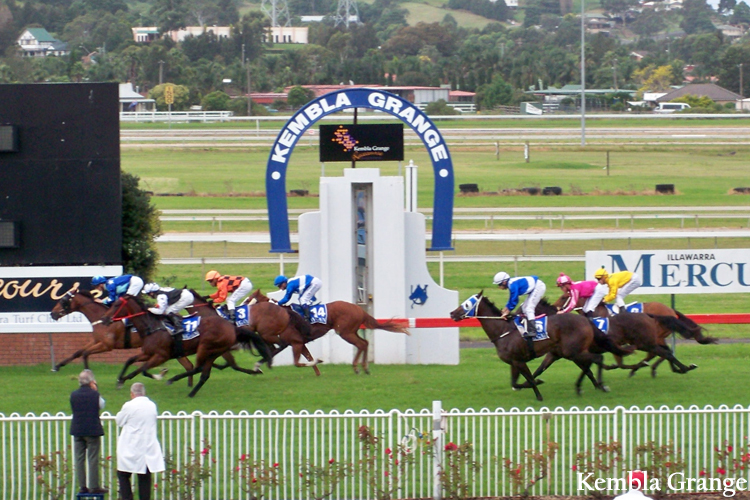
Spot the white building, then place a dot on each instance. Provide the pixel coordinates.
(37, 42)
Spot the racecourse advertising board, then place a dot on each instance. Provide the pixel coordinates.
(678, 271)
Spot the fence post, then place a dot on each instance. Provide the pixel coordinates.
(437, 449)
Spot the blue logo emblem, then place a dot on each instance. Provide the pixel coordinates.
(418, 295)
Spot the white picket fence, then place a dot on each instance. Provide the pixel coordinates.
(287, 440)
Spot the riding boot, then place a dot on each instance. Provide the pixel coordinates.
(231, 315)
(530, 328)
(306, 311)
(176, 321)
(615, 309)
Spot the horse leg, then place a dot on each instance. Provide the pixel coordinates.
(524, 370)
(361, 345)
(154, 360)
(232, 363)
(206, 365)
(299, 349)
(584, 361)
(676, 365)
(187, 365)
(75, 355)
(655, 366)
(546, 363)
(138, 357)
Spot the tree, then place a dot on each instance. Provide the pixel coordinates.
(726, 5)
(299, 96)
(654, 79)
(495, 93)
(649, 22)
(439, 108)
(215, 101)
(741, 14)
(696, 17)
(140, 227)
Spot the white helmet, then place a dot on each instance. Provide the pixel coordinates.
(150, 288)
(500, 278)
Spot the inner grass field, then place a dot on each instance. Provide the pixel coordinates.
(481, 380)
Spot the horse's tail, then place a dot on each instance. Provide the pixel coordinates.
(250, 339)
(602, 341)
(389, 326)
(685, 327)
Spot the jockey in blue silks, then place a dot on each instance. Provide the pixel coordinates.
(306, 286)
(115, 288)
(522, 285)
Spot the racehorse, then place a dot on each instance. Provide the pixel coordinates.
(216, 337)
(679, 323)
(570, 337)
(346, 319)
(643, 331)
(106, 337)
(275, 325)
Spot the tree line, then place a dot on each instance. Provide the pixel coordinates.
(500, 62)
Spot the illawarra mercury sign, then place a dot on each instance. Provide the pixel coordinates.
(679, 271)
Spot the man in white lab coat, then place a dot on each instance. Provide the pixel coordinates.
(138, 449)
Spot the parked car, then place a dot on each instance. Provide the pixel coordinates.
(671, 107)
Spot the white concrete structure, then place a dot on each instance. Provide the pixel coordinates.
(286, 34)
(367, 249)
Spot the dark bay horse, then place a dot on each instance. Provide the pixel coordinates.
(570, 337)
(346, 319)
(105, 337)
(669, 320)
(217, 336)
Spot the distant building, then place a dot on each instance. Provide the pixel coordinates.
(717, 94)
(277, 34)
(37, 42)
(130, 100)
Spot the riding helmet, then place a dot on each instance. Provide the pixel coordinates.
(563, 279)
(212, 275)
(601, 273)
(279, 280)
(501, 278)
(98, 280)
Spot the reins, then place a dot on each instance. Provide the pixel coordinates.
(122, 304)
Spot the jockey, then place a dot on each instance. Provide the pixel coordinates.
(615, 286)
(306, 286)
(127, 284)
(169, 303)
(574, 291)
(522, 285)
(237, 286)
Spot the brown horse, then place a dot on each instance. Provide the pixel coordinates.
(570, 337)
(276, 326)
(106, 337)
(346, 319)
(671, 320)
(216, 337)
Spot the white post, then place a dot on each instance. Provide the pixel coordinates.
(281, 263)
(411, 187)
(437, 448)
(442, 273)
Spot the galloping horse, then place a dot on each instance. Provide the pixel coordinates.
(678, 322)
(275, 325)
(570, 337)
(106, 337)
(643, 331)
(216, 337)
(346, 319)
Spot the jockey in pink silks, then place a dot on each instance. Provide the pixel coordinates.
(574, 291)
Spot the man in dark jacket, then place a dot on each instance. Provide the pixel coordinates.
(87, 431)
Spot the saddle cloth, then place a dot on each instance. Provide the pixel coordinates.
(241, 315)
(602, 324)
(318, 313)
(541, 327)
(190, 324)
(633, 307)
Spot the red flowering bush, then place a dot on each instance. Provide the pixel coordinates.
(53, 474)
(532, 468)
(457, 470)
(730, 462)
(184, 481)
(659, 461)
(381, 468)
(257, 477)
(320, 481)
(602, 461)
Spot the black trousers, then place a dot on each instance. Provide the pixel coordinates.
(144, 485)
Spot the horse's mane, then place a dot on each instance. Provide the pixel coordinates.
(197, 295)
(493, 307)
(85, 293)
(544, 302)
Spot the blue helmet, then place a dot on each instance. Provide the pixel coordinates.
(279, 280)
(98, 280)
